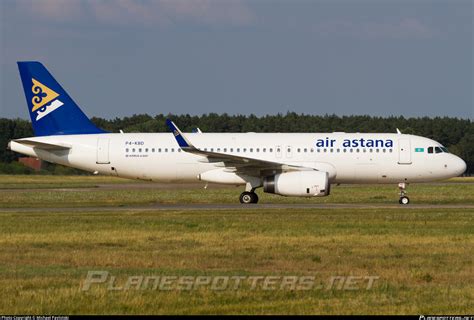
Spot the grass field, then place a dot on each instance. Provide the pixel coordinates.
(69, 191)
(423, 258)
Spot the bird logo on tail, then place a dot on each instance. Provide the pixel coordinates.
(44, 99)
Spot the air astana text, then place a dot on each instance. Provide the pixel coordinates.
(355, 143)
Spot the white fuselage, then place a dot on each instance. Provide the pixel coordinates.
(366, 158)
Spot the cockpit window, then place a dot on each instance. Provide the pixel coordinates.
(437, 150)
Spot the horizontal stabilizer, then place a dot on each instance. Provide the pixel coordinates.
(43, 145)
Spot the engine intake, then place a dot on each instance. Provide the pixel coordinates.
(298, 184)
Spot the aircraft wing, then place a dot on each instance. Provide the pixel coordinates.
(232, 162)
(43, 145)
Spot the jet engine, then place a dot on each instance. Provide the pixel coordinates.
(298, 184)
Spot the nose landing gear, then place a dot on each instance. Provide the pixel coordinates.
(403, 198)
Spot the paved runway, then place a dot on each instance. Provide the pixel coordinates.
(253, 207)
(167, 186)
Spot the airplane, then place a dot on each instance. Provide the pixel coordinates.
(286, 164)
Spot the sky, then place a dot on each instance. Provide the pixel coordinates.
(117, 58)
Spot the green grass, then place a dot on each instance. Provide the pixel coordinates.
(42, 191)
(423, 257)
(53, 181)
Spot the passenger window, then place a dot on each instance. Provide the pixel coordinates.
(430, 150)
(126, 150)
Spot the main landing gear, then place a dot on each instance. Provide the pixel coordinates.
(403, 198)
(248, 197)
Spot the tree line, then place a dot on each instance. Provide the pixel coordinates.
(455, 134)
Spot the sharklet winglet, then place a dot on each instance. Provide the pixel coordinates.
(183, 142)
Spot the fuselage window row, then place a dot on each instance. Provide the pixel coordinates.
(278, 150)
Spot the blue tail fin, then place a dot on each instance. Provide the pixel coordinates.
(52, 111)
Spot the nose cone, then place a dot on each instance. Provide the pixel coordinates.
(459, 166)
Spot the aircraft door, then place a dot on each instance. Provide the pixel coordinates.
(404, 151)
(103, 151)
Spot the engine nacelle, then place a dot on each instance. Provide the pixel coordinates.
(298, 184)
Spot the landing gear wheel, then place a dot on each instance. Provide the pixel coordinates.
(402, 186)
(248, 197)
(404, 200)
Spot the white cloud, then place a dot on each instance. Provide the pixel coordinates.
(58, 10)
(402, 28)
(232, 12)
(145, 12)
